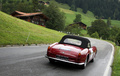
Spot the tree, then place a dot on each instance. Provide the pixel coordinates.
(4, 1)
(12, 7)
(116, 13)
(10, 1)
(95, 35)
(113, 33)
(78, 18)
(56, 17)
(73, 8)
(101, 27)
(109, 22)
(35, 5)
(85, 8)
(98, 7)
(73, 29)
(118, 39)
(24, 7)
(22, 1)
(0, 5)
(41, 6)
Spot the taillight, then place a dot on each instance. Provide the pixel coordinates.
(78, 59)
(48, 51)
(48, 48)
(79, 54)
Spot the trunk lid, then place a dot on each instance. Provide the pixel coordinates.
(66, 50)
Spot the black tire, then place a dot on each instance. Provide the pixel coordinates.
(52, 61)
(84, 65)
(92, 60)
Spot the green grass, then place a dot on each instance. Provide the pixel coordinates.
(70, 16)
(86, 18)
(114, 22)
(15, 31)
(116, 63)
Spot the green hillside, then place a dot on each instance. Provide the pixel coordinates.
(86, 18)
(15, 31)
(115, 23)
(70, 16)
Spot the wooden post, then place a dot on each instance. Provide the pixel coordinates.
(28, 37)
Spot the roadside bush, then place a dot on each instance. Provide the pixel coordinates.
(118, 39)
(100, 27)
(73, 29)
(95, 35)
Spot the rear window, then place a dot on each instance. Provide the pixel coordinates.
(72, 41)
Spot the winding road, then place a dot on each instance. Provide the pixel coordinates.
(31, 61)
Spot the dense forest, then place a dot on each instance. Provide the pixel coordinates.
(56, 17)
(8, 6)
(101, 8)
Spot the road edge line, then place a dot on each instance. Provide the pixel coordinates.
(108, 68)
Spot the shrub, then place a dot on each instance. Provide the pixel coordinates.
(95, 35)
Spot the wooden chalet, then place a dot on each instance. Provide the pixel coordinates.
(41, 2)
(45, 3)
(48, 3)
(84, 26)
(36, 18)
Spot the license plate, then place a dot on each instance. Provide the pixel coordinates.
(61, 57)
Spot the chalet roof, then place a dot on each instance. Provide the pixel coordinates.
(41, 2)
(79, 23)
(22, 14)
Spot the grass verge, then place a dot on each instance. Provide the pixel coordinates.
(116, 62)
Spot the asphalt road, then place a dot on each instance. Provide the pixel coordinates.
(30, 61)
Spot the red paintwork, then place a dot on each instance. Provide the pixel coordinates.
(72, 52)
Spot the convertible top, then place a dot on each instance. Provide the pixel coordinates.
(85, 41)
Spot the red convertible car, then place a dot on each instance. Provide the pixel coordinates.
(72, 49)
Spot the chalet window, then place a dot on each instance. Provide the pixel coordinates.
(42, 23)
(32, 21)
(37, 22)
(42, 19)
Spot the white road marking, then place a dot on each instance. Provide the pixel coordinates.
(108, 69)
(39, 57)
(21, 60)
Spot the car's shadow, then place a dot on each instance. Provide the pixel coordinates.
(66, 66)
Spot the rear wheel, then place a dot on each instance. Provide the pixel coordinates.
(84, 65)
(51, 60)
(93, 58)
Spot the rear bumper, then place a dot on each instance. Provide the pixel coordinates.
(63, 60)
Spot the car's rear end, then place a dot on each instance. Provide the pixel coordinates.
(65, 53)
(70, 49)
